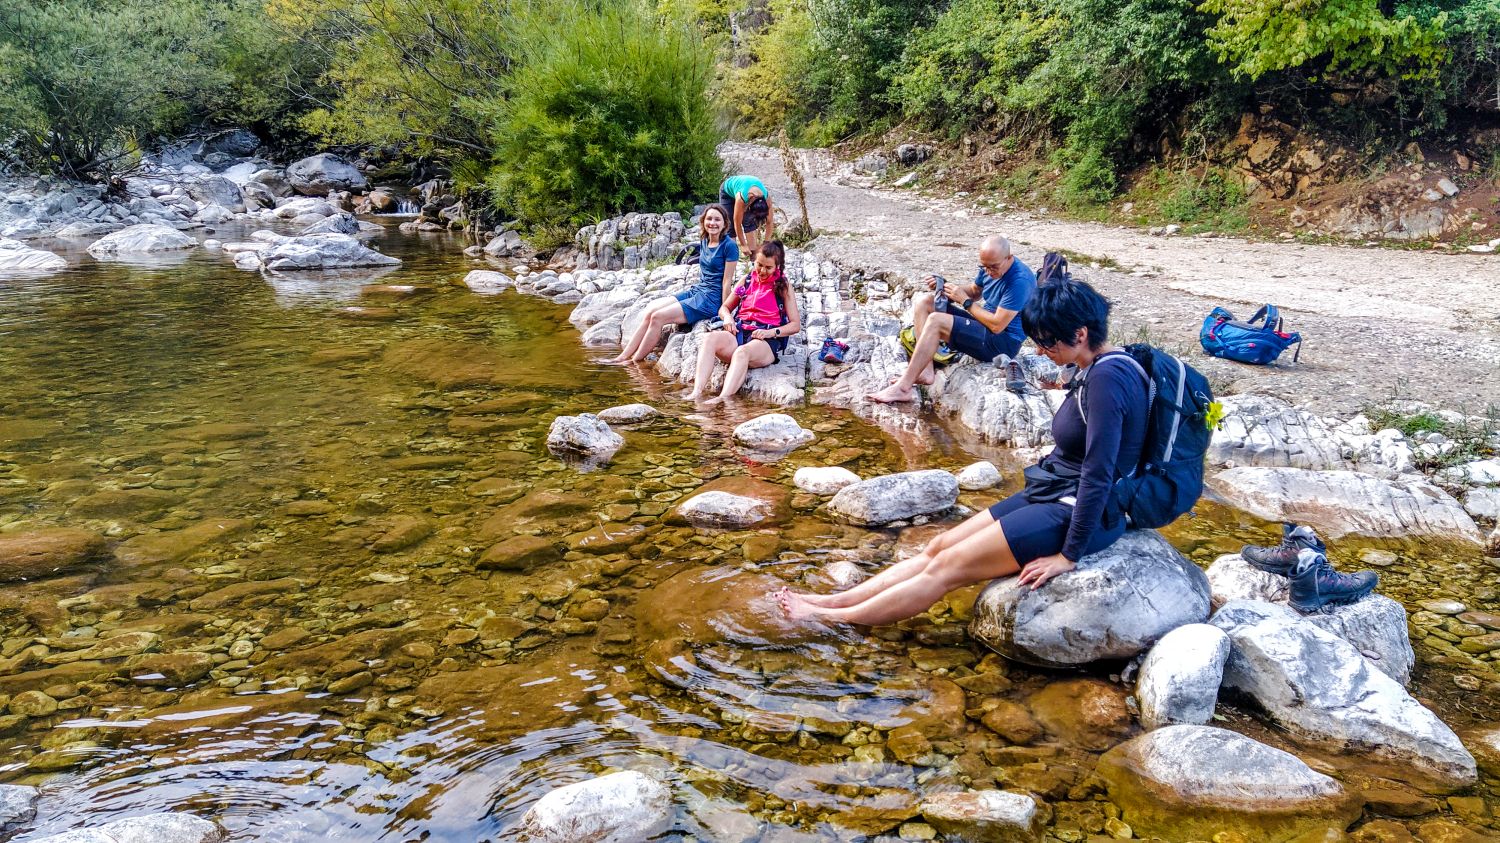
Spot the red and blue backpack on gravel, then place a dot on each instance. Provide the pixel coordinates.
(1248, 342)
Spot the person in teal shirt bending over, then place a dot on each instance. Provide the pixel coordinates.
(749, 203)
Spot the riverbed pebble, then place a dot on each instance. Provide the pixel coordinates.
(883, 500)
(1000, 816)
(622, 807)
(824, 480)
(772, 432)
(980, 475)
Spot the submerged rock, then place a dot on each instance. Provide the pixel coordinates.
(896, 497)
(1376, 625)
(723, 510)
(772, 432)
(151, 828)
(1179, 680)
(1322, 690)
(1087, 713)
(1484, 743)
(1191, 782)
(143, 238)
(1114, 605)
(624, 807)
(585, 436)
(487, 282)
(1341, 503)
(984, 816)
(629, 414)
(40, 553)
(824, 480)
(16, 256)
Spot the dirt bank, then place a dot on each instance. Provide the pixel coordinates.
(1378, 323)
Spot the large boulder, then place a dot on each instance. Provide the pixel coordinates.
(1179, 679)
(1114, 605)
(342, 222)
(34, 554)
(314, 252)
(504, 245)
(1191, 782)
(975, 393)
(140, 239)
(150, 828)
(584, 437)
(217, 190)
(1341, 503)
(772, 432)
(896, 497)
(624, 807)
(984, 816)
(1376, 625)
(16, 256)
(1263, 431)
(487, 282)
(324, 173)
(1323, 691)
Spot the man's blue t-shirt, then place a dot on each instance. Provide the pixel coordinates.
(1010, 291)
(711, 260)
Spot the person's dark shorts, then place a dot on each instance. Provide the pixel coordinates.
(698, 304)
(777, 344)
(972, 338)
(1035, 530)
(751, 221)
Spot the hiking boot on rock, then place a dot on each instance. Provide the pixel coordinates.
(1015, 377)
(1315, 584)
(1282, 558)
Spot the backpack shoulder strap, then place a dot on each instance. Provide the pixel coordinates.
(1133, 363)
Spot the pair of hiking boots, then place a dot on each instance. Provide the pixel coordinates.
(1302, 558)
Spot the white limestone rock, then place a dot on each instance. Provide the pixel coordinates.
(1190, 782)
(324, 173)
(584, 436)
(824, 480)
(629, 414)
(1179, 679)
(140, 239)
(1323, 691)
(17, 804)
(488, 283)
(896, 497)
(1114, 605)
(624, 807)
(984, 816)
(150, 828)
(1340, 503)
(772, 432)
(980, 475)
(1264, 431)
(321, 251)
(17, 257)
(723, 510)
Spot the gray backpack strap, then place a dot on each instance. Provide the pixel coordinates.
(1135, 364)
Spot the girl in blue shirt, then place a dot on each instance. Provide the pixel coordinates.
(718, 257)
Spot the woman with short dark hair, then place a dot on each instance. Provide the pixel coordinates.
(1063, 513)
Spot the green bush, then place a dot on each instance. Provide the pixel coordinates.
(606, 111)
(1256, 37)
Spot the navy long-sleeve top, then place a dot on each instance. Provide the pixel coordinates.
(1106, 445)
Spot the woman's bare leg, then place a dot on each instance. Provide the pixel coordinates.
(982, 556)
(754, 354)
(903, 570)
(669, 308)
(717, 345)
(668, 314)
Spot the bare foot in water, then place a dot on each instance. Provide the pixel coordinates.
(615, 361)
(893, 394)
(690, 395)
(714, 401)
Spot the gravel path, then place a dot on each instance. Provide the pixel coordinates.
(1378, 323)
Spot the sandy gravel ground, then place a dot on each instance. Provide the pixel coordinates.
(1378, 323)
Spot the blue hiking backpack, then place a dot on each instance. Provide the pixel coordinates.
(1181, 415)
(1248, 342)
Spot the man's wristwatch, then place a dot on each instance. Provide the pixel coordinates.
(968, 303)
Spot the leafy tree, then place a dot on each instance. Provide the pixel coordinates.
(1257, 37)
(606, 111)
(86, 82)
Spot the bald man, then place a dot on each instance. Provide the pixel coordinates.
(982, 319)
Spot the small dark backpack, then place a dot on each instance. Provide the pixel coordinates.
(1054, 265)
(1169, 478)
